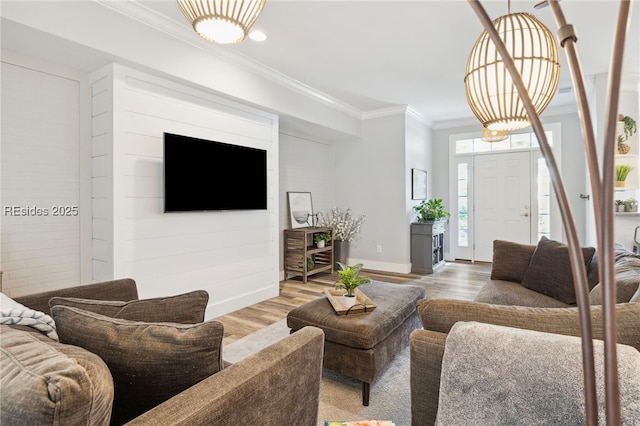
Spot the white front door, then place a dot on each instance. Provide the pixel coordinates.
(502, 197)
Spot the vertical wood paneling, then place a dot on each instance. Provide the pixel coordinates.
(40, 180)
(102, 175)
(233, 255)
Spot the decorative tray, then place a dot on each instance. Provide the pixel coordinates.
(363, 303)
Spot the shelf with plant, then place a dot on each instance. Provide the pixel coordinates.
(622, 172)
(321, 238)
(629, 128)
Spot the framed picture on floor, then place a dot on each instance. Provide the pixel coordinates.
(300, 209)
(419, 184)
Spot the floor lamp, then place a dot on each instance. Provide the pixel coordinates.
(602, 190)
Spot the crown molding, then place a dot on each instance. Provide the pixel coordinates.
(407, 110)
(133, 9)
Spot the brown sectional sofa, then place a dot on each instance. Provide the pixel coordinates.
(508, 303)
(48, 382)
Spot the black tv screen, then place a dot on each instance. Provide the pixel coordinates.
(202, 175)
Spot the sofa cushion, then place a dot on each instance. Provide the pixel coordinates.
(627, 278)
(46, 382)
(550, 270)
(510, 260)
(485, 382)
(187, 308)
(149, 362)
(499, 292)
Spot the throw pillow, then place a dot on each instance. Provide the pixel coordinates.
(47, 383)
(510, 260)
(627, 277)
(187, 308)
(149, 362)
(550, 270)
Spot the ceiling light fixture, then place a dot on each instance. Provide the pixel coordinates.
(257, 35)
(221, 21)
(494, 135)
(491, 93)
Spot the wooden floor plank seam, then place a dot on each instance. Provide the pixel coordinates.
(456, 280)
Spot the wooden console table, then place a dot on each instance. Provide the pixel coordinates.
(298, 246)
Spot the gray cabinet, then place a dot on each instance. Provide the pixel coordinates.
(427, 247)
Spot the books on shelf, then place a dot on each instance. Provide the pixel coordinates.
(360, 423)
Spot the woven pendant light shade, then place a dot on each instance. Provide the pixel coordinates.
(494, 135)
(490, 90)
(222, 21)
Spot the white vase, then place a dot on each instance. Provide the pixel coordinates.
(320, 244)
(349, 301)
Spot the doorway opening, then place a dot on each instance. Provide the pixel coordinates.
(501, 190)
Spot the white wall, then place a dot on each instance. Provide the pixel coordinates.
(305, 166)
(231, 254)
(373, 177)
(41, 176)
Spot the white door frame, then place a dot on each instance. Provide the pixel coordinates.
(459, 252)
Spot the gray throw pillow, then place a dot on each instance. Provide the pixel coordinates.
(550, 270)
(149, 362)
(510, 260)
(627, 278)
(187, 308)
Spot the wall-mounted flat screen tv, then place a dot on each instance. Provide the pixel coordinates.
(201, 175)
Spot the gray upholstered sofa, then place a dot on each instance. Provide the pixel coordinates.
(54, 382)
(506, 302)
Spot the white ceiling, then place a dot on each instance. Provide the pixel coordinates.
(378, 54)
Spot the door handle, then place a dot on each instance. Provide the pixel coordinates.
(525, 215)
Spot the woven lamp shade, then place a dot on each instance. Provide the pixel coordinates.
(490, 90)
(494, 135)
(221, 21)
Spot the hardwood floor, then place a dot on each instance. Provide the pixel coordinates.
(455, 280)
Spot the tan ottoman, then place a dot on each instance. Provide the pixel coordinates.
(361, 346)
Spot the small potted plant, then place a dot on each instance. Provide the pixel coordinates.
(622, 171)
(350, 279)
(631, 205)
(320, 238)
(431, 211)
(629, 128)
(619, 205)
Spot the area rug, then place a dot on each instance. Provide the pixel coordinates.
(341, 397)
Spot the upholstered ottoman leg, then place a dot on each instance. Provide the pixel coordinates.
(366, 389)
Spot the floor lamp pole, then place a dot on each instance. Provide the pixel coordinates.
(603, 200)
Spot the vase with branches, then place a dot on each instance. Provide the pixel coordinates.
(346, 227)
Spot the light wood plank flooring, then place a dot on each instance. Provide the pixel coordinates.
(455, 280)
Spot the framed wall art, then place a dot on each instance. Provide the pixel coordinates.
(419, 184)
(300, 209)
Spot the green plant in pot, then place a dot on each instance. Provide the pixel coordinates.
(622, 171)
(320, 238)
(629, 128)
(349, 279)
(431, 210)
(631, 205)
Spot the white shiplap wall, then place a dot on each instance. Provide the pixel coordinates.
(40, 170)
(231, 254)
